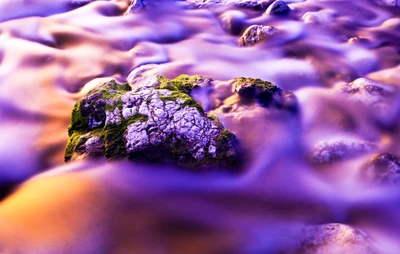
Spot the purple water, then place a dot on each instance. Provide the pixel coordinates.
(53, 52)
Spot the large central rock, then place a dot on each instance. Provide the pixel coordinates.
(157, 122)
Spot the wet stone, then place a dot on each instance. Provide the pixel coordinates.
(155, 122)
(255, 34)
(278, 8)
(233, 21)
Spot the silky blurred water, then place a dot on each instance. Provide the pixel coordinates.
(53, 52)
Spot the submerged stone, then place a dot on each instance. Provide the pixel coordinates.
(383, 168)
(255, 34)
(157, 121)
(265, 93)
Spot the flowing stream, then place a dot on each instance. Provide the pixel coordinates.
(53, 52)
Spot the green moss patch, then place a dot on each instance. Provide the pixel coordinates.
(111, 87)
(251, 89)
(257, 83)
(188, 101)
(78, 122)
(183, 83)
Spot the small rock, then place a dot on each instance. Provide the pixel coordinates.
(333, 238)
(383, 168)
(157, 121)
(265, 93)
(255, 34)
(278, 8)
(332, 151)
(233, 21)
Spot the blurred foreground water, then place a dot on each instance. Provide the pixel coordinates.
(340, 58)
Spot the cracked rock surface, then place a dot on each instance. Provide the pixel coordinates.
(157, 121)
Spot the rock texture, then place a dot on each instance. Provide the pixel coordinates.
(383, 168)
(336, 150)
(157, 121)
(333, 238)
(255, 34)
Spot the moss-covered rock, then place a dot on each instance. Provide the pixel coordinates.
(155, 122)
(265, 93)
